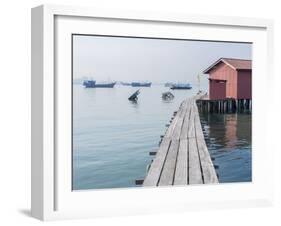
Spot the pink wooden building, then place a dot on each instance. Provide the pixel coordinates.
(230, 78)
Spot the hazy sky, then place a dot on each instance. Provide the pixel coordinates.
(138, 59)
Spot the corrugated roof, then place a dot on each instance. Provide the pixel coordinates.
(237, 64)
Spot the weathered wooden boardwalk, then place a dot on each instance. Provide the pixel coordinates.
(182, 157)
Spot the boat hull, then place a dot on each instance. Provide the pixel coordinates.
(110, 85)
(93, 84)
(138, 84)
(89, 83)
(181, 88)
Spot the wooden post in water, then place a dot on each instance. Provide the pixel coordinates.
(250, 106)
(234, 105)
(239, 106)
(224, 106)
(247, 105)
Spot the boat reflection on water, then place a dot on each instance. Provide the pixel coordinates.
(134, 104)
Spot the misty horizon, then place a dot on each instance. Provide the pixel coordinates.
(105, 58)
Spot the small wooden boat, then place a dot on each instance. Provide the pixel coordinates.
(167, 96)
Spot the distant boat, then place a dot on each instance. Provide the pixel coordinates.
(181, 86)
(141, 84)
(105, 85)
(93, 84)
(89, 83)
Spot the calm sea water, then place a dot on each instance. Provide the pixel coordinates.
(228, 138)
(112, 137)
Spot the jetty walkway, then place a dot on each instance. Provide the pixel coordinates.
(183, 157)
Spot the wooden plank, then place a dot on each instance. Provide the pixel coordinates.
(181, 174)
(167, 175)
(154, 172)
(195, 175)
(176, 124)
(184, 131)
(208, 170)
(172, 125)
(198, 127)
(191, 129)
(183, 107)
(156, 167)
(177, 130)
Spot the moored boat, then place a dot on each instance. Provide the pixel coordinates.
(181, 86)
(141, 84)
(89, 83)
(93, 84)
(105, 85)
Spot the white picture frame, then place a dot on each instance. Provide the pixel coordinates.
(52, 197)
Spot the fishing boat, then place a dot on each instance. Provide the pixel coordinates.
(141, 84)
(181, 86)
(89, 83)
(105, 85)
(93, 84)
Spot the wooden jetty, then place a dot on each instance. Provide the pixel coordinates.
(182, 157)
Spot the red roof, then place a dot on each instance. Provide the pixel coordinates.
(237, 64)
